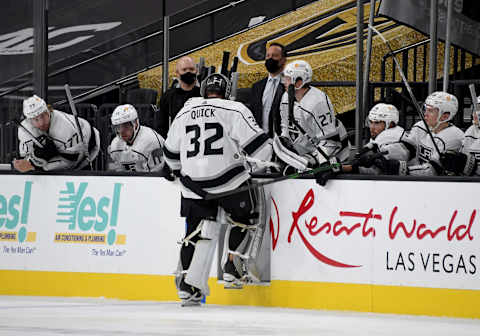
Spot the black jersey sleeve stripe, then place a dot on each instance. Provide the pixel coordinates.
(256, 143)
(171, 155)
(222, 179)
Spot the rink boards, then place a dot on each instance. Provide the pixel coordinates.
(405, 247)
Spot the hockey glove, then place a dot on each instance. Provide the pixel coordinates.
(391, 167)
(324, 176)
(46, 152)
(167, 173)
(458, 163)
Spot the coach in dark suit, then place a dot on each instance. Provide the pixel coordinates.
(266, 94)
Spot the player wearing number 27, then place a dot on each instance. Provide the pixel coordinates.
(207, 142)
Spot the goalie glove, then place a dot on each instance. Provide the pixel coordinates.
(48, 151)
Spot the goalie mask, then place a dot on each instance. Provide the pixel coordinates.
(217, 84)
(125, 116)
(33, 107)
(445, 103)
(298, 70)
(384, 112)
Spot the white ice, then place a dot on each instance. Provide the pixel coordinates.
(80, 316)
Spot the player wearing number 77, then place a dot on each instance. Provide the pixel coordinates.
(207, 142)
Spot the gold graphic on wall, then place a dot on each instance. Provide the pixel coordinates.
(323, 34)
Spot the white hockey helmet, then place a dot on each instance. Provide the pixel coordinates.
(298, 70)
(384, 112)
(445, 102)
(125, 114)
(34, 106)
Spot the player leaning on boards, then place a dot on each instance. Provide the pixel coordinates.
(385, 141)
(136, 147)
(205, 144)
(310, 132)
(440, 108)
(50, 140)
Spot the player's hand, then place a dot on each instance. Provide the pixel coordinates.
(48, 151)
(453, 161)
(23, 165)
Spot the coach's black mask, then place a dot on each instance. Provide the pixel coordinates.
(188, 78)
(272, 65)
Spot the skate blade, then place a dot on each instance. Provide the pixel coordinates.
(190, 303)
(233, 285)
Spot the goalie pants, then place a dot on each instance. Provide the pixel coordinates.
(239, 206)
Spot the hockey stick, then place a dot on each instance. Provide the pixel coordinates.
(474, 97)
(33, 137)
(70, 157)
(77, 123)
(409, 89)
(193, 186)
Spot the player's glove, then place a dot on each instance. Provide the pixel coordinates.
(391, 167)
(46, 152)
(367, 156)
(458, 163)
(323, 177)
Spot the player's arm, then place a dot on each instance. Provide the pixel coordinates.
(171, 150)
(251, 138)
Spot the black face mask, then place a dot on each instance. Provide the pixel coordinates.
(188, 78)
(272, 65)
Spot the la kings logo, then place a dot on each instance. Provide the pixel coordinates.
(425, 153)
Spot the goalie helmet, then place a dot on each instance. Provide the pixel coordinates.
(298, 70)
(216, 83)
(125, 114)
(445, 103)
(384, 112)
(33, 107)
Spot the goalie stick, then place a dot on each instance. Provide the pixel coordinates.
(193, 186)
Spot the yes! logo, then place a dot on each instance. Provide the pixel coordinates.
(90, 220)
(14, 211)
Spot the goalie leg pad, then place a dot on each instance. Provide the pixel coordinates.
(199, 270)
(285, 151)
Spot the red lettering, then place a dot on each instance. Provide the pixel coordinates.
(272, 229)
(456, 232)
(399, 226)
(306, 204)
(367, 216)
(313, 223)
(433, 234)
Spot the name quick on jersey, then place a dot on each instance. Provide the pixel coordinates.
(203, 112)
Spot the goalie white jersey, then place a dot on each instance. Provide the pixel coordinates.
(64, 134)
(427, 157)
(315, 115)
(471, 145)
(206, 139)
(144, 155)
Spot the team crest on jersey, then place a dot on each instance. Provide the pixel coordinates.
(425, 153)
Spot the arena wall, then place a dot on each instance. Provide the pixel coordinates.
(403, 247)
